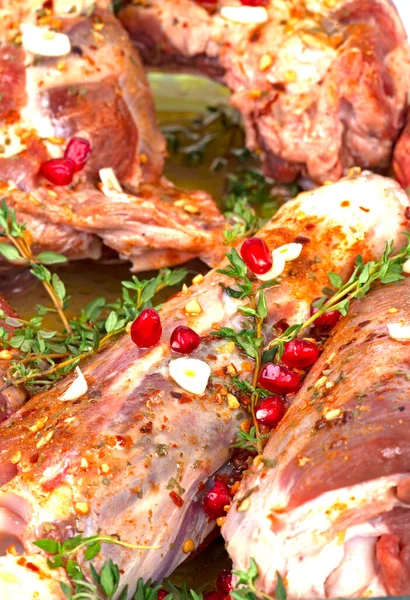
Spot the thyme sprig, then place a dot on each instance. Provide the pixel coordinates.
(107, 579)
(250, 198)
(18, 249)
(250, 339)
(246, 585)
(106, 582)
(388, 269)
(44, 355)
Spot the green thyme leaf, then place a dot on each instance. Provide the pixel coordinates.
(51, 258)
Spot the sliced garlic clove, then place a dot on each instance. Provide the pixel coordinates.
(247, 15)
(277, 268)
(290, 251)
(399, 332)
(77, 389)
(191, 374)
(44, 42)
(406, 266)
(111, 187)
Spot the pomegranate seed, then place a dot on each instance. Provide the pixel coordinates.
(270, 411)
(300, 354)
(146, 330)
(214, 596)
(216, 498)
(184, 340)
(328, 320)
(255, 2)
(256, 255)
(162, 594)
(224, 582)
(79, 150)
(279, 379)
(59, 171)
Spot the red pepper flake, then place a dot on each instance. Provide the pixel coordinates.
(176, 499)
(32, 567)
(184, 399)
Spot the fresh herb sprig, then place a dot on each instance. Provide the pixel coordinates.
(246, 585)
(192, 141)
(250, 339)
(18, 249)
(388, 269)
(64, 555)
(44, 355)
(249, 440)
(250, 200)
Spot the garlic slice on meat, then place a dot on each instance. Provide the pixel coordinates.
(247, 15)
(290, 251)
(406, 266)
(111, 187)
(399, 332)
(278, 265)
(191, 374)
(77, 388)
(280, 256)
(44, 42)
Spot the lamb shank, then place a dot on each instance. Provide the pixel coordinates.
(134, 454)
(321, 86)
(92, 87)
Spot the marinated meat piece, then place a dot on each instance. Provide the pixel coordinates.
(321, 85)
(159, 227)
(401, 157)
(333, 517)
(99, 92)
(159, 444)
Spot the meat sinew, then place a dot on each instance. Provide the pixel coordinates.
(99, 92)
(321, 85)
(333, 516)
(132, 456)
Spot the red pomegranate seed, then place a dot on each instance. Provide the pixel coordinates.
(184, 340)
(214, 596)
(300, 354)
(162, 594)
(59, 171)
(216, 498)
(146, 330)
(255, 2)
(327, 320)
(270, 411)
(79, 150)
(279, 379)
(224, 582)
(256, 255)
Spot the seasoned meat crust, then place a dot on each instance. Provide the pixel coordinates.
(133, 407)
(342, 449)
(100, 92)
(321, 85)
